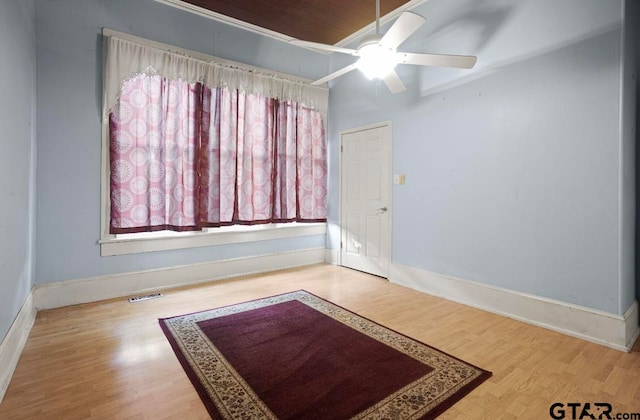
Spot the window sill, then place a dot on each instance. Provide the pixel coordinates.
(226, 235)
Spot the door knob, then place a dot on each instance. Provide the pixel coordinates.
(382, 210)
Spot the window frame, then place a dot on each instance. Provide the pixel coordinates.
(123, 244)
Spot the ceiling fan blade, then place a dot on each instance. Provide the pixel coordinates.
(335, 74)
(402, 28)
(393, 82)
(319, 46)
(441, 60)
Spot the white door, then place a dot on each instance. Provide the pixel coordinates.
(365, 212)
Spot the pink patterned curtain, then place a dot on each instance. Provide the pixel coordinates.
(302, 156)
(185, 156)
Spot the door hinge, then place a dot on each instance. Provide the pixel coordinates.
(341, 148)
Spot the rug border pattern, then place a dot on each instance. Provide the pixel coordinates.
(426, 397)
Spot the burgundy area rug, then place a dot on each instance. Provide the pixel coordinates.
(297, 356)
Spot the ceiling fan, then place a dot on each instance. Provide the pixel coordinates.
(379, 56)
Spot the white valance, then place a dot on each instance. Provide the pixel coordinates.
(124, 59)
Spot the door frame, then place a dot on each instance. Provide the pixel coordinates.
(389, 177)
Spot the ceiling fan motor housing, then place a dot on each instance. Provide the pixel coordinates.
(372, 39)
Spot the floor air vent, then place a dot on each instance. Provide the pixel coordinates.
(144, 297)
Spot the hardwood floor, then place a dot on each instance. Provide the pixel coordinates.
(110, 359)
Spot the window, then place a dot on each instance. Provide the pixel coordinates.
(195, 144)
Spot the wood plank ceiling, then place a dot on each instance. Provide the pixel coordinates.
(324, 21)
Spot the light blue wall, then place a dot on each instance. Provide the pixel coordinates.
(69, 100)
(17, 156)
(514, 169)
(631, 13)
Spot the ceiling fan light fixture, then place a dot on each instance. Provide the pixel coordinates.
(376, 61)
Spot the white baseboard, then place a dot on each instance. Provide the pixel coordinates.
(611, 330)
(632, 329)
(13, 343)
(73, 292)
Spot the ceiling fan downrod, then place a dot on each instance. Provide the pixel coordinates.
(377, 17)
